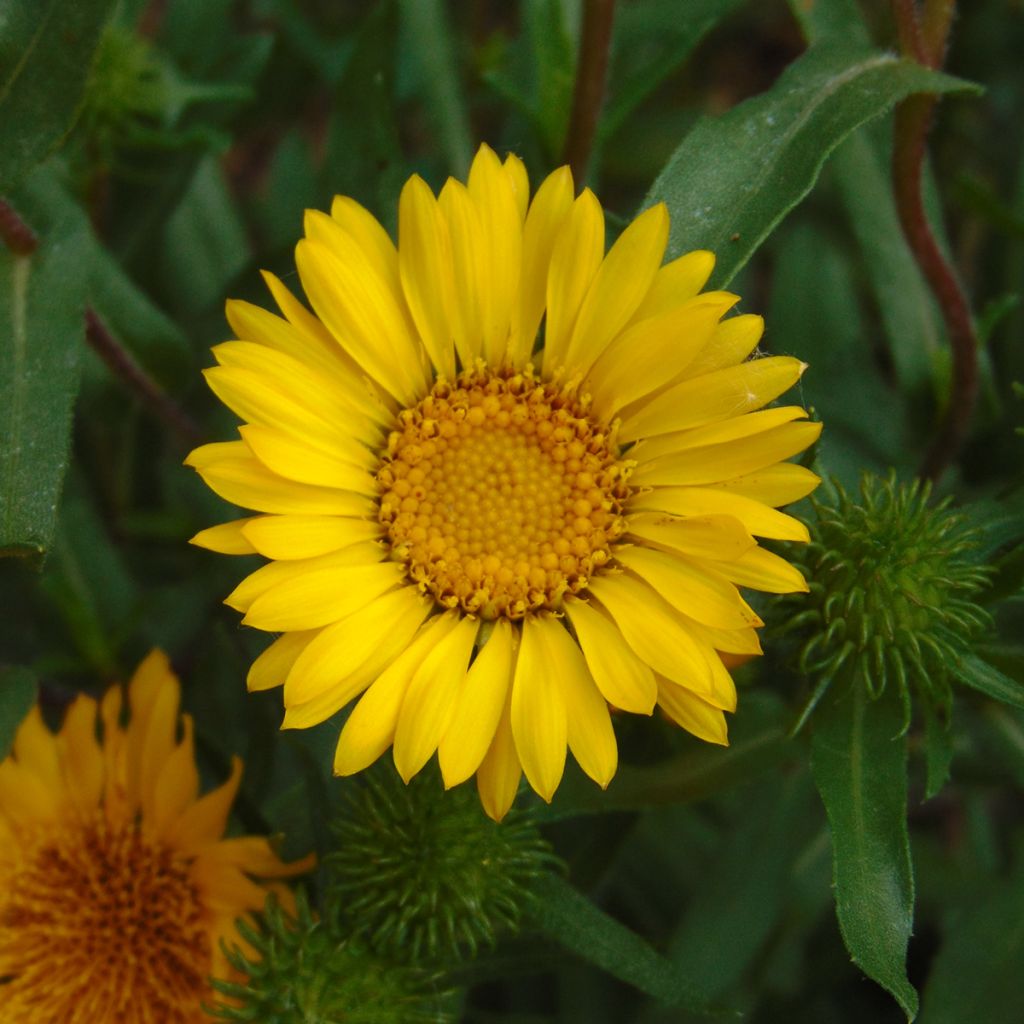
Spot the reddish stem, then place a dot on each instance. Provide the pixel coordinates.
(15, 233)
(121, 363)
(588, 94)
(912, 122)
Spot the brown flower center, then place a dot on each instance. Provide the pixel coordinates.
(101, 923)
(500, 493)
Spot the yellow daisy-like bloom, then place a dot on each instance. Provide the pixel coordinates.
(496, 542)
(116, 886)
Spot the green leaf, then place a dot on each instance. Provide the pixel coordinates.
(815, 314)
(46, 50)
(364, 158)
(151, 336)
(650, 42)
(41, 319)
(567, 916)
(426, 22)
(18, 690)
(987, 679)
(830, 19)
(938, 749)
(205, 243)
(733, 178)
(908, 313)
(977, 975)
(859, 761)
(741, 898)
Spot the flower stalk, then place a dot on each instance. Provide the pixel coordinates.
(923, 38)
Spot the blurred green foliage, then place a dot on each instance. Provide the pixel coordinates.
(161, 153)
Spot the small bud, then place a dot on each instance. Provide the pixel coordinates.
(892, 587)
(304, 970)
(424, 874)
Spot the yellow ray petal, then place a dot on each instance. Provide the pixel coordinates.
(733, 429)
(544, 222)
(588, 724)
(502, 251)
(321, 597)
(430, 698)
(720, 538)
(204, 822)
(81, 756)
(372, 270)
(575, 260)
(255, 324)
(655, 632)
(424, 262)
(763, 570)
(355, 306)
(478, 707)
(714, 463)
(271, 668)
(226, 538)
(759, 519)
(370, 728)
(295, 460)
(291, 537)
(713, 397)
(177, 786)
(732, 641)
(676, 283)
(259, 582)
(704, 595)
(652, 353)
(238, 477)
(696, 716)
(373, 241)
(302, 320)
(255, 398)
(497, 780)
(520, 182)
(334, 658)
(341, 401)
(618, 288)
(734, 340)
(774, 485)
(465, 229)
(538, 711)
(385, 635)
(35, 749)
(625, 681)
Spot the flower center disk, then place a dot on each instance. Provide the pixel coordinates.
(95, 894)
(500, 493)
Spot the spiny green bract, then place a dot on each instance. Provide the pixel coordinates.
(892, 583)
(423, 874)
(306, 971)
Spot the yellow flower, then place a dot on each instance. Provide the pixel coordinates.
(497, 542)
(116, 886)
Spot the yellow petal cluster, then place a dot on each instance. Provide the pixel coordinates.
(117, 886)
(507, 481)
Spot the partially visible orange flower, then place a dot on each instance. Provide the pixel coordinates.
(117, 885)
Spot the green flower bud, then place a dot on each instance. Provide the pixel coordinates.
(892, 586)
(303, 970)
(424, 874)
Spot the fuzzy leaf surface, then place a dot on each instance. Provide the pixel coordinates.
(46, 52)
(733, 178)
(859, 762)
